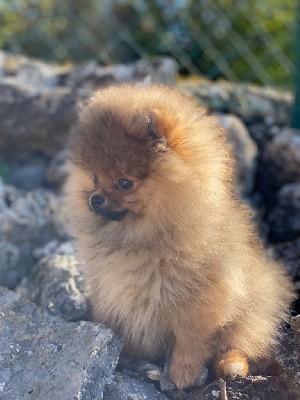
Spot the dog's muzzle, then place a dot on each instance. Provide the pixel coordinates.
(96, 204)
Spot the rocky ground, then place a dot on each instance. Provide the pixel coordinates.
(48, 347)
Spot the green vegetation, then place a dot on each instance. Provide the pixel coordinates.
(4, 172)
(240, 40)
(296, 110)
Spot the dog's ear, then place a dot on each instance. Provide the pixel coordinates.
(152, 130)
(156, 137)
(155, 132)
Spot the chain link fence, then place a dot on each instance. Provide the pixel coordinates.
(239, 40)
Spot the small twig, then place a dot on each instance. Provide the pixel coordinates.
(223, 392)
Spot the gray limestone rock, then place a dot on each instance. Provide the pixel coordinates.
(34, 122)
(62, 219)
(250, 388)
(262, 133)
(57, 171)
(295, 324)
(123, 387)
(244, 150)
(281, 158)
(288, 253)
(11, 265)
(157, 70)
(91, 76)
(26, 222)
(9, 63)
(284, 218)
(56, 283)
(139, 368)
(44, 357)
(287, 358)
(29, 176)
(26, 215)
(40, 75)
(246, 101)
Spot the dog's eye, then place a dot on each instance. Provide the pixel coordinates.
(124, 184)
(95, 179)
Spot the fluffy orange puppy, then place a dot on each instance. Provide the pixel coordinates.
(172, 260)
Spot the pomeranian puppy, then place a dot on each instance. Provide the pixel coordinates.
(172, 260)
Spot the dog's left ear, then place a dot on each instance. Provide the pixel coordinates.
(156, 137)
(148, 126)
(152, 126)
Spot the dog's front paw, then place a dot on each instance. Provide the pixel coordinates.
(184, 374)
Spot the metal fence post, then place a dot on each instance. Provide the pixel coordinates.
(296, 109)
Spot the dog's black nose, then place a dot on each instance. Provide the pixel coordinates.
(96, 201)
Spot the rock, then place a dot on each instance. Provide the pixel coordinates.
(123, 387)
(32, 122)
(9, 63)
(29, 176)
(56, 283)
(295, 324)
(250, 388)
(91, 76)
(45, 118)
(244, 150)
(288, 253)
(281, 158)
(61, 219)
(262, 133)
(2, 64)
(158, 70)
(26, 222)
(11, 265)
(166, 385)
(28, 217)
(44, 357)
(57, 171)
(39, 75)
(54, 247)
(139, 368)
(284, 218)
(251, 103)
(36, 73)
(8, 195)
(146, 371)
(288, 360)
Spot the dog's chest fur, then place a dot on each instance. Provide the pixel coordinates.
(136, 294)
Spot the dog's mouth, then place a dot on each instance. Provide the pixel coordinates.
(111, 215)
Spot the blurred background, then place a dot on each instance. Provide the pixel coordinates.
(239, 40)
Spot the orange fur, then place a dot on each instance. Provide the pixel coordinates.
(183, 271)
(231, 364)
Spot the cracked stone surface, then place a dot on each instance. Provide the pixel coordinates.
(26, 221)
(44, 357)
(244, 150)
(124, 387)
(251, 388)
(44, 119)
(56, 283)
